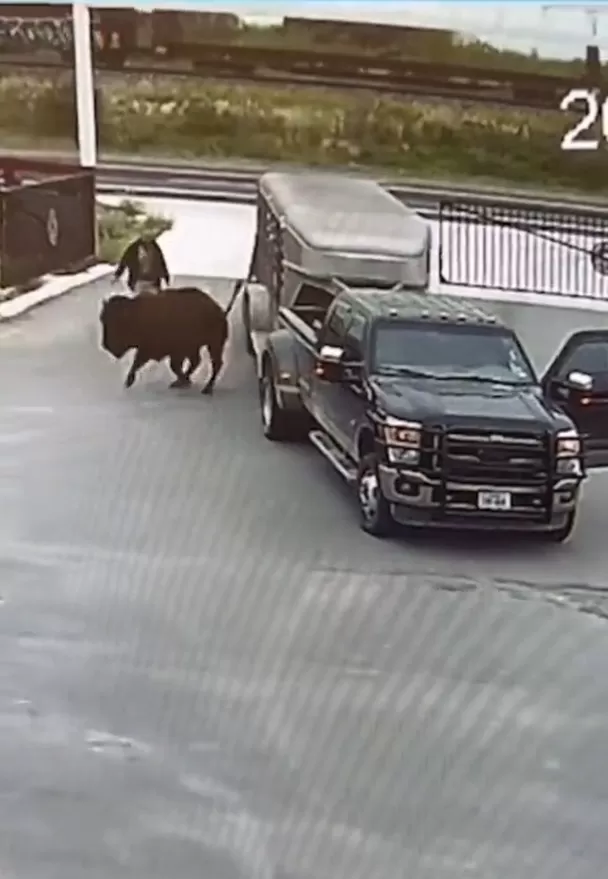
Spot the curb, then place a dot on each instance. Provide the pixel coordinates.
(53, 288)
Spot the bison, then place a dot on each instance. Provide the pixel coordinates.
(175, 323)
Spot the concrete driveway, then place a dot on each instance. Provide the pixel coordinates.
(208, 670)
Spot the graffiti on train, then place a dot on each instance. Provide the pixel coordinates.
(54, 33)
(24, 34)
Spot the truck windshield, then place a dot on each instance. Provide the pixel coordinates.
(451, 352)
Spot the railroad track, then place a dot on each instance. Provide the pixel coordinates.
(215, 181)
(466, 93)
(237, 185)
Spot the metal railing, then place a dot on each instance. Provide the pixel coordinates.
(524, 249)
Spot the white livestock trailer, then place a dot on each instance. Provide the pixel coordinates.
(328, 228)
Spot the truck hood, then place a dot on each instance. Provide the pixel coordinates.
(467, 403)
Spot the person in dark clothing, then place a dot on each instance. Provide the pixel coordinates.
(144, 262)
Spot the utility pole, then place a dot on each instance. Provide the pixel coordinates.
(592, 55)
(84, 83)
(592, 12)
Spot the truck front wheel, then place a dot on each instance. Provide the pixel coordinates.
(374, 510)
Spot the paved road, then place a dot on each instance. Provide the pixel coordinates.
(207, 670)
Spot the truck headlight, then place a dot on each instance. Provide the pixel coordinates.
(568, 444)
(402, 434)
(400, 455)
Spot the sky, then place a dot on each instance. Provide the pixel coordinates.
(555, 32)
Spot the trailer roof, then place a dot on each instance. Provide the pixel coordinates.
(334, 212)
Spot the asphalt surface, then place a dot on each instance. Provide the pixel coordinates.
(208, 670)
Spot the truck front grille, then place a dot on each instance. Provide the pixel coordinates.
(484, 457)
(471, 462)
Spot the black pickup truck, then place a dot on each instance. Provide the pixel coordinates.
(433, 410)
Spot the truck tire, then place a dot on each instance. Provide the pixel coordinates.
(278, 424)
(260, 308)
(246, 317)
(375, 515)
(561, 535)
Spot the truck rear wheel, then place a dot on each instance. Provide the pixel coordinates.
(278, 424)
(246, 317)
(374, 510)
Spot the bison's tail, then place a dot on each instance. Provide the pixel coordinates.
(238, 286)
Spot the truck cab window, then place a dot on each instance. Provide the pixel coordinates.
(590, 357)
(355, 335)
(337, 324)
(452, 352)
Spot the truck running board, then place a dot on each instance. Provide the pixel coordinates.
(334, 455)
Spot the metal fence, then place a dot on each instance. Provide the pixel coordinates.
(561, 252)
(46, 226)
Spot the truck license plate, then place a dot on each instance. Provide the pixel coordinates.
(494, 500)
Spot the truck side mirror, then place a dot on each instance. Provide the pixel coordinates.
(329, 363)
(579, 381)
(575, 382)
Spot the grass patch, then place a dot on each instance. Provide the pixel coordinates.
(323, 128)
(118, 226)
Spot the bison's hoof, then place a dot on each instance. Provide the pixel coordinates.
(180, 383)
(207, 390)
(129, 381)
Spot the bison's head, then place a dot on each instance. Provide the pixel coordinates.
(117, 330)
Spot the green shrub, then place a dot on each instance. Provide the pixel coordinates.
(313, 126)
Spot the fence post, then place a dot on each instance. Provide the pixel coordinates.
(84, 84)
(2, 238)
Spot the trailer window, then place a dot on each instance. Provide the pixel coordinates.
(313, 296)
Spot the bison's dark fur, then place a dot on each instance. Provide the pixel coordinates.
(175, 323)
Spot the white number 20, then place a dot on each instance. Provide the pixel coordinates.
(590, 98)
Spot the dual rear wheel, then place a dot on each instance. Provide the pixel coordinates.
(279, 424)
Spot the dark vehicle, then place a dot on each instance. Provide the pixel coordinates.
(433, 410)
